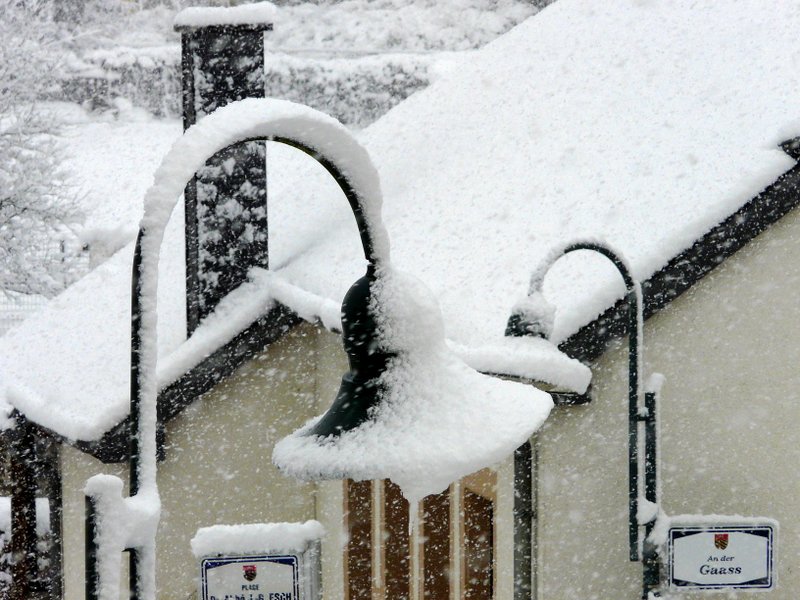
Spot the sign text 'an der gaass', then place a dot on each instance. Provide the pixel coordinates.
(722, 556)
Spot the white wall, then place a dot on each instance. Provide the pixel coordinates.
(730, 417)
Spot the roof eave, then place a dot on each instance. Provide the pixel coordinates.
(114, 446)
(690, 266)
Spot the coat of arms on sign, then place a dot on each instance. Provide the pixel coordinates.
(250, 572)
(721, 541)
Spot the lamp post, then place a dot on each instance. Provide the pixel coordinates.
(333, 147)
(526, 322)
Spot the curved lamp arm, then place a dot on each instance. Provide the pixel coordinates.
(318, 135)
(373, 240)
(616, 257)
(635, 342)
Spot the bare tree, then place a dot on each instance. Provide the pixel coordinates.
(38, 209)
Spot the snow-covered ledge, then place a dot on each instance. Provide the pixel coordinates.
(256, 538)
(258, 13)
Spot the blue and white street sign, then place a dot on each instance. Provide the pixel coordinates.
(259, 561)
(263, 577)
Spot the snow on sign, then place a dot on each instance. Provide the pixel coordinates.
(266, 577)
(259, 561)
(722, 556)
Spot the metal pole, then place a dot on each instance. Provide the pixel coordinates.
(355, 200)
(136, 361)
(650, 449)
(633, 424)
(134, 468)
(134, 431)
(90, 565)
(523, 522)
(650, 563)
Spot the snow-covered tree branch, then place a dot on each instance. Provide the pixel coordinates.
(39, 213)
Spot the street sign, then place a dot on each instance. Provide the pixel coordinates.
(260, 577)
(718, 556)
(260, 561)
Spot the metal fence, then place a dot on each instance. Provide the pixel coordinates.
(15, 309)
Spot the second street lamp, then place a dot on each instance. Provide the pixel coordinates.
(533, 316)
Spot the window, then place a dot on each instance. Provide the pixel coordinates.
(478, 543)
(358, 552)
(450, 554)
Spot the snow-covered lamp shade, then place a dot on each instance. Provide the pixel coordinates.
(361, 389)
(409, 410)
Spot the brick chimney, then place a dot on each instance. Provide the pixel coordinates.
(226, 202)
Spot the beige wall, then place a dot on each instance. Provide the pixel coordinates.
(218, 467)
(730, 417)
(729, 421)
(331, 366)
(76, 468)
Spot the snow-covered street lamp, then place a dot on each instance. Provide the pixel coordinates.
(116, 523)
(403, 408)
(534, 316)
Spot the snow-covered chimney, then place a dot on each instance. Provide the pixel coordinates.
(226, 202)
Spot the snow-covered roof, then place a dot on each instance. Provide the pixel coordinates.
(643, 124)
(112, 162)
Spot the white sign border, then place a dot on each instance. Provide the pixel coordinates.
(722, 527)
(295, 560)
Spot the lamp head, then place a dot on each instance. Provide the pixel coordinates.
(409, 409)
(360, 389)
(533, 316)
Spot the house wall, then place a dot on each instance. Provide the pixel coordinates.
(331, 365)
(218, 467)
(729, 427)
(729, 444)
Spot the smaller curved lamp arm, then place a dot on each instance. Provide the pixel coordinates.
(612, 255)
(537, 278)
(517, 327)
